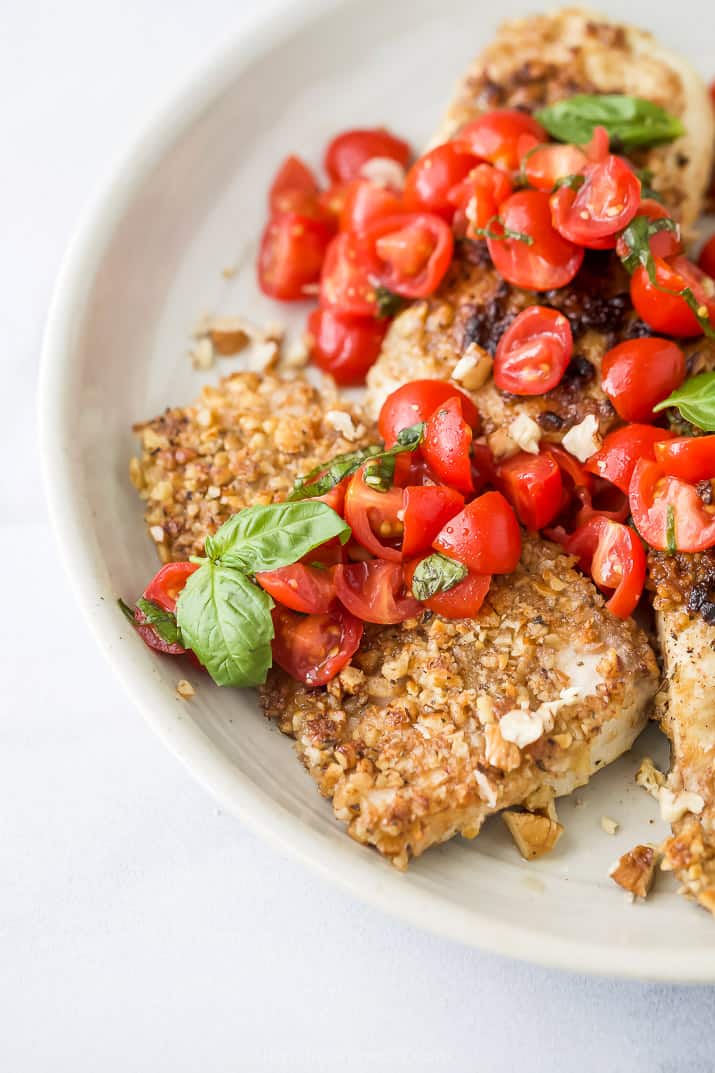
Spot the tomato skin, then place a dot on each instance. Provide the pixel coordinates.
(416, 402)
(706, 260)
(348, 151)
(345, 346)
(669, 313)
(167, 583)
(484, 469)
(478, 198)
(621, 449)
(294, 189)
(574, 470)
(605, 501)
(543, 165)
(426, 510)
(691, 458)
(663, 243)
(331, 202)
(433, 175)
(372, 591)
(302, 643)
(408, 254)
(484, 536)
(463, 600)
(534, 352)
(605, 204)
(494, 136)
(653, 495)
(614, 556)
(309, 589)
(364, 202)
(533, 485)
(639, 373)
(446, 444)
(367, 510)
(345, 284)
(550, 261)
(291, 255)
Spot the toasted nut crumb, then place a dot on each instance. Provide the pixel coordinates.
(135, 473)
(202, 355)
(608, 825)
(227, 339)
(650, 778)
(185, 689)
(635, 870)
(474, 368)
(533, 834)
(157, 534)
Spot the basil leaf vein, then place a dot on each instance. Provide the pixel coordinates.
(436, 574)
(695, 400)
(630, 121)
(268, 537)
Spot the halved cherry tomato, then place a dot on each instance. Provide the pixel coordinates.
(374, 517)
(374, 592)
(426, 510)
(604, 501)
(534, 352)
(345, 346)
(294, 189)
(331, 202)
(346, 153)
(463, 600)
(660, 304)
(408, 254)
(485, 536)
(494, 136)
(446, 444)
(313, 648)
(291, 256)
(668, 513)
(582, 543)
(639, 373)
(596, 149)
(706, 260)
(620, 451)
(543, 165)
(662, 243)
(309, 589)
(167, 583)
(526, 249)
(433, 175)
(605, 203)
(570, 466)
(484, 469)
(364, 202)
(532, 484)
(619, 564)
(332, 552)
(691, 458)
(478, 199)
(345, 283)
(416, 402)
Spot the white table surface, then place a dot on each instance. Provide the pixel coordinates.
(141, 929)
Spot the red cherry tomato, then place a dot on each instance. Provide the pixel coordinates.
(446, 444)
(374, 517)
(426, 510)
(604, 501)
(620, 451)
(416, 402)
(167, 583)
(374, 592)
(582, 543)
(408, 254)
(660, 305)
(534, 352)
(484, 470)
(294, 189)
(543, 165)
(663, 243)
(345, 283)
(532, 484)
(527, 251)
(348, 152)
(463, 600)
(309, 589)
(433, 175)
(484, 536)
(619, 564)
(478, 198)
(570, 466)
(691, 458)
(706, 260)
(639, 373)
(668, 513)
(314, 648)
(494, 136)
(331, 202)
(597, 148)
(605, 204)
(345, 346)
(291, 256)
(364, 202)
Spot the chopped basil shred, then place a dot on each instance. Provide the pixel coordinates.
(503, 233)
(379, 470)
(389, 304)
(695, 401)
(163, 622)
(573, 182)
(670, 531)
(436, 574)
(630, 121)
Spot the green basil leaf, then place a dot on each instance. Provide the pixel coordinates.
(436, 574)
(381, 466)
(389, 304)
(670, 531)
(630, 121)
(127, 611)
(225, 619)
(573, 182)
(268, 537)
(162, 622)
(637, 238)
(695, 399)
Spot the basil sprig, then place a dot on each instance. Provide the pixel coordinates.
(695, 400)
(223, 615)
(630, 121)
(436, 574)
(379, 465)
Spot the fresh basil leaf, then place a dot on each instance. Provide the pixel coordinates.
(630, 121)
(410, 438)
(389, 304)
(380, 464)
(127, 611)
(695, 399)
(162, 622)
(573, 182)
(637, 238)
(268, 537)
(225, 619)
(503, 233)
(436, 574)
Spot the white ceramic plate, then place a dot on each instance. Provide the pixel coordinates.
(186, 202)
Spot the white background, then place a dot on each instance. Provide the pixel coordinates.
(141, 929)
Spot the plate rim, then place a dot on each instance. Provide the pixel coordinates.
(341, 864)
